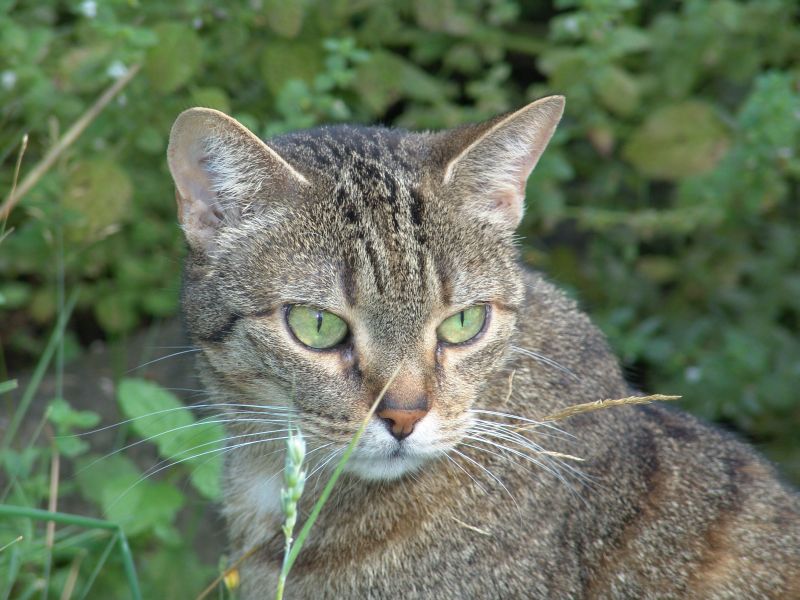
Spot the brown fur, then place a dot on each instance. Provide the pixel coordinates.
(394, 232)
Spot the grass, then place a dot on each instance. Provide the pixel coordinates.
(66, 519)
(55, 347)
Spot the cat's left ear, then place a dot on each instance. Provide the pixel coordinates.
(223, 173)
(491, 169)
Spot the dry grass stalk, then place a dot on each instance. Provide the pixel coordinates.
(65, 142)
(560, 455)
(470, 527)
(19, 538)
(72, 577)
(510, 387)
(578, 409)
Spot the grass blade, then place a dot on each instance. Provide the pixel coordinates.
(38, 373)
(9, 385)
(24, 512)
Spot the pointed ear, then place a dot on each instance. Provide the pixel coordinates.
(490, 170)
(222, 173)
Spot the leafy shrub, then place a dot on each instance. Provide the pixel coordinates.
(668, 201)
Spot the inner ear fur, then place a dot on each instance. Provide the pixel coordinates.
(489, 164)
(222, 171)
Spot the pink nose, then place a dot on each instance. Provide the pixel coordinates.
(400, 421)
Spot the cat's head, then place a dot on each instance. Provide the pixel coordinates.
(327, 265)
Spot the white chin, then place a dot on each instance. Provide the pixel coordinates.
(383, 469)
(379, 457)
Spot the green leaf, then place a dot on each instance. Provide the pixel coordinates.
(207, 469)
(71, 446)
(617, 90)
(158, 415)
(154, 411)
(285, 18)
(15, 294)
(8, 386)
(283, 60)
(137, 505)
(61, 414)
(97, 194)
(212, 97)
(387, 77)
(174, 60)
(116, 313)
(677, 141)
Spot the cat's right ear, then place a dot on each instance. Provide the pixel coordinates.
(489, 164)
(222, 171)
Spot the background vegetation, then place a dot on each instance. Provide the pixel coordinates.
(667, 203)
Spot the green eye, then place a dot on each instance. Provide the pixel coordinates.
(462, 326)
(314, 327)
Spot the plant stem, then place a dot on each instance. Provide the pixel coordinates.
(24, 512)
(39, 372)
(326, 492)
(72, 134)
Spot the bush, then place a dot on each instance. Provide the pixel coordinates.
(668, 201)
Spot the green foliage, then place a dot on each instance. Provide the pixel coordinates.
(144, 505)
(158, 416)
(667, 202)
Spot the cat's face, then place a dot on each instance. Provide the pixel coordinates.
(336, 264)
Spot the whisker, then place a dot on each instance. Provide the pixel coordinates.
(488, 472)
(545, 360)
(155, 360)
(552, 466)
(150, 472)
(325, 462)
(515, 429)
(263, 409)
(475, 481)
(546, 424)
(173, 430)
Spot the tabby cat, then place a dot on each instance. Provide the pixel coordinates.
(328, 264)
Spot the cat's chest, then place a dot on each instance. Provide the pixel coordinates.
(253, 504)
(264, 496)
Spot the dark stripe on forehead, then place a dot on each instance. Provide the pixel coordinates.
(220, 334)
(444, 274)
(348, 280)
(374, 262)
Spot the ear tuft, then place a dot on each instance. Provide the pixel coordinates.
(491, 172)
(221, 171)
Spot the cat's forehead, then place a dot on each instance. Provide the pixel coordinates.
(368, 203)
(332, 149)
(372, 230)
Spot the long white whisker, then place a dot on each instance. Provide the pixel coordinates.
(544, 359)
(505, 434)
(553, 470)
(173, 430)
(546, 424)
(325, 462)
(452, 460)
(155, 360)
(512, 428)
(488, 472)
(150, 473)
(266, 410)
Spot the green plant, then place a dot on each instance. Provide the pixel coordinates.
(668, 202)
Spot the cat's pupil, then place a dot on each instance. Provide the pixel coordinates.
(319, 320)
(461, 315)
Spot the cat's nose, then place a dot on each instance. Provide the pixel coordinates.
(402, 418)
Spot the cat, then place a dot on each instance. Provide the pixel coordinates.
(326, 265)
